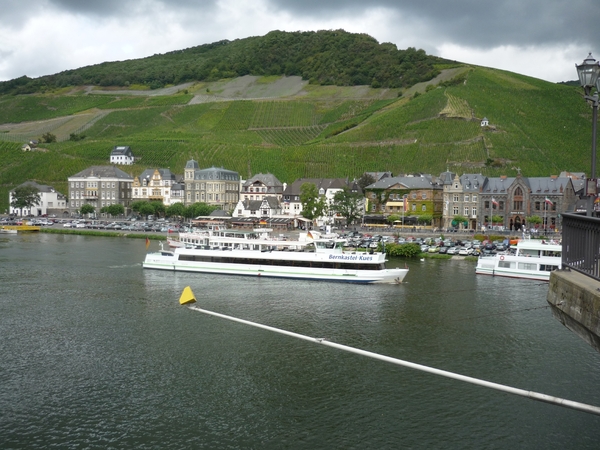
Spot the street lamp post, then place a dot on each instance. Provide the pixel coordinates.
(589, 77)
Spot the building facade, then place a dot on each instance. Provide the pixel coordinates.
(122, 155)
(51, 202)
(461, 200)
(100, 186)
(214, 186)
(414, 198)
(261, 186)
(155, 185)
(507, 203)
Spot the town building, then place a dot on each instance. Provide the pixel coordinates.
(265, 208)
(326, 187)
(261, 186)
(213, 186)
(507, 203)
(100, 186)
(122, 154)
(51, 202)
(416, 199)
(155, 185)
(461, 200)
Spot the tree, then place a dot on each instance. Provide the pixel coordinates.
(146, 209)
(175, 210)
(115, 210)
(365, 180)
(25, 197)
(347, 204)
(86, 209)
(496, 219)
(203, 209)
(48, 137)
(459, 219)
(534, 220)
(313, 205)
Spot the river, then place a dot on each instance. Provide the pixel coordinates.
(96, 353)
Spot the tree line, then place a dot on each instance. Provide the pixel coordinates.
(326, 57)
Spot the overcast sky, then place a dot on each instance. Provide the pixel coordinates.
(540, 38)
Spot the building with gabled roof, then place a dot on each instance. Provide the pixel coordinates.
(511, 200)
(326, 187)
(261, 186)
(461, 198)
(264, 208)
(409, 196)
(155, 185)
(51, 201)
(122, 154)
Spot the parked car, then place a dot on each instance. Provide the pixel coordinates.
(444, 250)
(465, 251)
(453, 251)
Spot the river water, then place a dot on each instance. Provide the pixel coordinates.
(96, 352)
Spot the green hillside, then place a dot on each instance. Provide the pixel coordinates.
(288, 127)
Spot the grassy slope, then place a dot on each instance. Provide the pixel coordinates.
(327, 131)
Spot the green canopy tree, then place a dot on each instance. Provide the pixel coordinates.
(175, 210)
(146, 209)
(86, 209)
(459, 219)
(534, 220)
(347, 204)
(313, 205)
(115, 210)
(25, 197)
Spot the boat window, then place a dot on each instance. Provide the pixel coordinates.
(528, 266)
(506, 264)
(547, 267)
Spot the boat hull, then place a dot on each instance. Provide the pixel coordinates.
(162, 261)
(518, 267)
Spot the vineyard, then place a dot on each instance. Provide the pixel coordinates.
(537, 127)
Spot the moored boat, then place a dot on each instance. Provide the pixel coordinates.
(534, 259)
(256, 253)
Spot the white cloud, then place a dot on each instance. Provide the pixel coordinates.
(547, 63)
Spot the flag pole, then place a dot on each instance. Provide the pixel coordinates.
(476, 381)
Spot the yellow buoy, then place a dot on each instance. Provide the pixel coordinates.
(187, 296)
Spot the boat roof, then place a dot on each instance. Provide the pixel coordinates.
(538, 244)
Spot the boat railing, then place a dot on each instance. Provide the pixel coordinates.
(581, 244)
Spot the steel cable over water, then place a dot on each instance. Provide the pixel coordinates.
(455, 376)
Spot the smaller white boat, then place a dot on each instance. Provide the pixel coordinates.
(534, 259)
(4, 230)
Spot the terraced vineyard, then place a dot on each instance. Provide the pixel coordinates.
(328, 131)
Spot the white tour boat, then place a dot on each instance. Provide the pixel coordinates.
(256, 253)
(534, 259)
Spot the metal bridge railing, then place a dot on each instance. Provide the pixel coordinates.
(581, 244)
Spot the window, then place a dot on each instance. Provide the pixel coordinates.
(466, 210)
(455, 198)
(474, 198)
(474, 210)
(518, 205)
(423, 207)
(527, 266)
(414, 207)
(455, 210)
(414, 196)
(424, 195)
(466, 197)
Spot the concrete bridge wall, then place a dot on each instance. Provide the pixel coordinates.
(575, 302)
